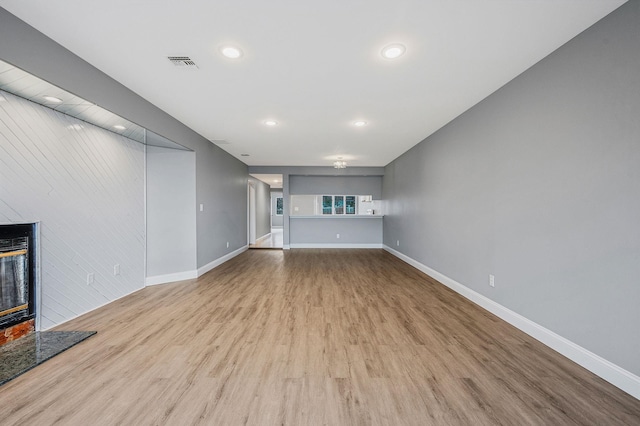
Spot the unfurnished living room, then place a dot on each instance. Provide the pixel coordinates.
(332, 213)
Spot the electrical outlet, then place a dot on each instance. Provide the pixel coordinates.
(398, 243)
(90, 278)
(201, 207)
(492, 280)
(116, 269)
(338, 236)
(227, 244)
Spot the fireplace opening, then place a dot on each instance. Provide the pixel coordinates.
(17, 274)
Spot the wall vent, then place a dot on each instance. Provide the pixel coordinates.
(182, 61)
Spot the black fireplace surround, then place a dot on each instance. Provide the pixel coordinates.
(17, 274)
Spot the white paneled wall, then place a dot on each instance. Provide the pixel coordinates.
(86, 187)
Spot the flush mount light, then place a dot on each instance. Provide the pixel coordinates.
(231, 52)
(339, 164)
(359, 123)
(119, 127)
(393, 51)
(270, 123)
(53, 99)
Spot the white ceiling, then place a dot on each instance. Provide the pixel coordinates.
(315, 67)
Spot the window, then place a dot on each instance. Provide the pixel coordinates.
(339, 204)
(351, 204)
(279, 206)
(327, 202)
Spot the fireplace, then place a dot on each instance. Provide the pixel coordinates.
(17, 280)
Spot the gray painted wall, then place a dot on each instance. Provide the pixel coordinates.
(263, 207)
(286, 172)
(336, 185)
(86, 187)
(171, 211)
(367, 231)
(539, 184)
(275, 219)
(221, 180)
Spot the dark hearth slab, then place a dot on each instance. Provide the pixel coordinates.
(22, 355)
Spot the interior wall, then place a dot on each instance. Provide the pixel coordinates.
(221, 179)
(171, 213)
(276, 220)
(287, 172)
(263, 207)
(86, 187)
(539, 185)
(336, 185)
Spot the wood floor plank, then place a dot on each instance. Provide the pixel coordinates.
(308, 337)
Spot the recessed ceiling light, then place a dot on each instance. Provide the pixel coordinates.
(53, 99)
(270, 123)
(231, 52)
(393, 51)
(359, 123)
(244, 155)
(75, 127)
(119, 127)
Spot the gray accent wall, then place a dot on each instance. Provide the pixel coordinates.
(539, 185)
(221, 180)
(85, 186)
(324, 231)
(336, 185)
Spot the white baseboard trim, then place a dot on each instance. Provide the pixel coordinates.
(332, 245)
(209, 266)
(169, 278)
(264, 237)
(599, 366)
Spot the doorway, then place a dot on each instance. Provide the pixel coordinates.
(266, 211)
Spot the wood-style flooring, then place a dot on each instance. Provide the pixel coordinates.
(308, 337)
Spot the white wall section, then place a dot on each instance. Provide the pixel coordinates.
(86, 186)
(171, 215)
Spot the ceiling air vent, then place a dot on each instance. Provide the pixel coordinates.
(182, 61)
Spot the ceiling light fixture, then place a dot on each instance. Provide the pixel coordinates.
(393, 51)
(270, 123)
(244, 155)
(53, 99)
(360, 123)
(119, 127)
(231, 52)
(339, 164)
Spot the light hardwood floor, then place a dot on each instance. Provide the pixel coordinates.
(308, 337)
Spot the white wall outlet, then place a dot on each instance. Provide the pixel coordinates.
(90, 278)
(227, 244)
(492, 280)
(296, 208)
(398, 243)
(116, 269)
(201, 207)
(338, 236)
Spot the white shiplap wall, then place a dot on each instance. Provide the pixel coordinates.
(86, 187)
